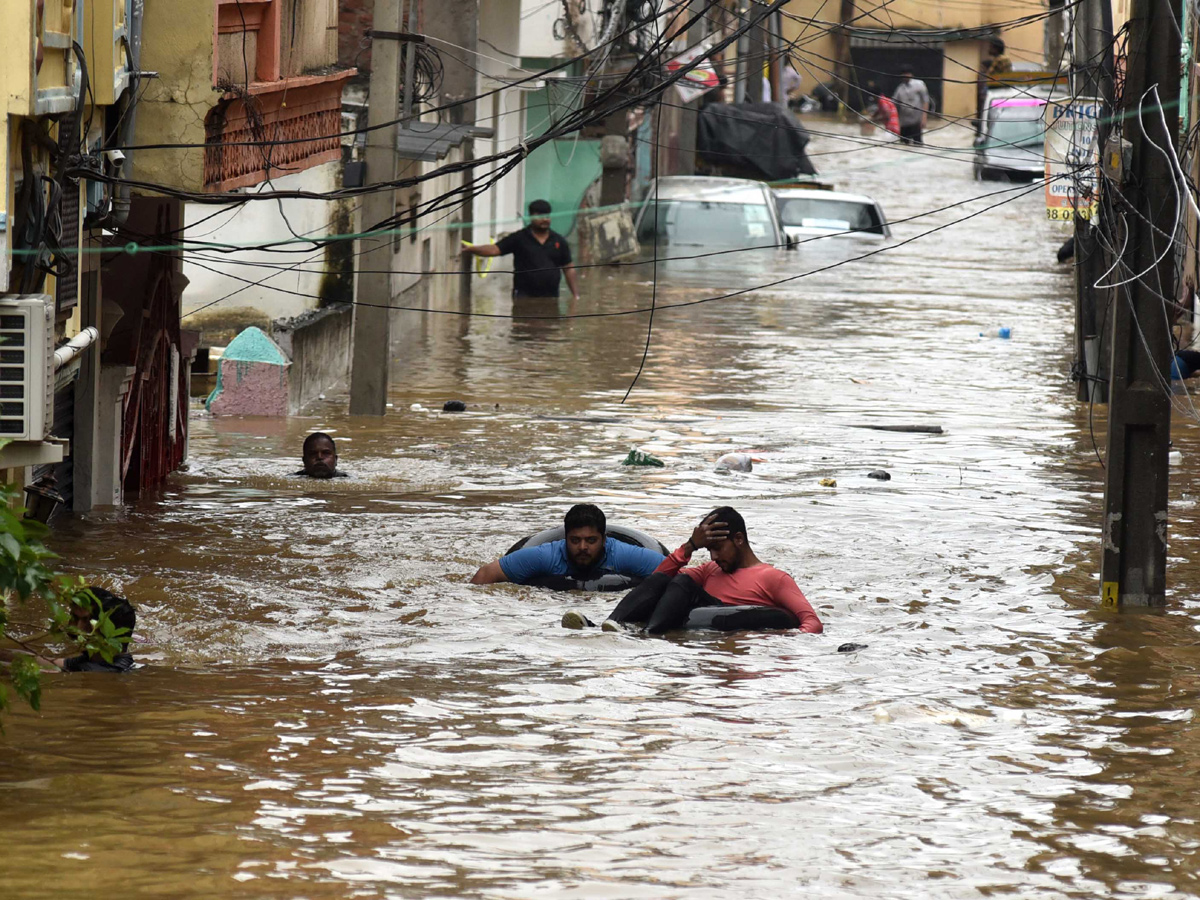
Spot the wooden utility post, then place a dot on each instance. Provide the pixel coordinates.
(372, 324)
(1091, 77)
(1133, 569)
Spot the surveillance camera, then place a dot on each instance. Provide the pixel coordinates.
(114, 158)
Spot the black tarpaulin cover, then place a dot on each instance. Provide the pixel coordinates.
(760, 140)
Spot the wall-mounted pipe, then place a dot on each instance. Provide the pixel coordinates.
(75, 346)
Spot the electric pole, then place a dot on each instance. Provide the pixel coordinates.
(1134, 536)
(372, 323)
(1091, 79)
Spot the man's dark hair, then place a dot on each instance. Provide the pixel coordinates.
(584, 515)
(120, 611)
(539, 208)
(730, 517)
(311, 441)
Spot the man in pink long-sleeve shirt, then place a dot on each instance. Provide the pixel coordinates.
(734, 577)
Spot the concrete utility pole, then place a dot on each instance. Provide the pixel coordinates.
(1133, 570)
(742, 67)
(1091, 76)
(372, 324)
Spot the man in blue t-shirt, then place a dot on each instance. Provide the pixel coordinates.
(585, 552)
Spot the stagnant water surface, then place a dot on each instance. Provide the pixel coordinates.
(328, 709)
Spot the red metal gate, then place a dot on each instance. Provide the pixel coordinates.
(155, 429)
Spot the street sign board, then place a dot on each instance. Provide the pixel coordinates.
(1072, 158)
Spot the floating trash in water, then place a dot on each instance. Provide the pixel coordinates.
(736, 462)
(638, 458)
(828, 482)
(880, 475)
(454, 406)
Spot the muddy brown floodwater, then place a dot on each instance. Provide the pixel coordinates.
(328, 709)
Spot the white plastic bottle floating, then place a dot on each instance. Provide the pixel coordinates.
(1004, 332)
(1174, 457)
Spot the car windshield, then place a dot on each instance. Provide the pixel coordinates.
(833, 215)
(707, 224)
(1016, 126)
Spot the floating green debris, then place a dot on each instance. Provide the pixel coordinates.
(638, 458)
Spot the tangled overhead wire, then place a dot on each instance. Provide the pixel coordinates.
(428, 72)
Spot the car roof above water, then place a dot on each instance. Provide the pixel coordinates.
(709, 190)
(785, 193)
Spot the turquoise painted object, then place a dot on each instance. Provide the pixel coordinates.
(251, 346)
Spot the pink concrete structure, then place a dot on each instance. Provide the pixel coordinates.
(252, 378)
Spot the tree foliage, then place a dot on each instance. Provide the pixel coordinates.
(27, 573)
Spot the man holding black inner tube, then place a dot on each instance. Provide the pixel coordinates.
(585, 552)
(541, 257)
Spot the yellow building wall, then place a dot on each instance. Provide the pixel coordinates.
(1024, 44)
(960, 70)
(815, 49)
(177, 42)
(16, 60)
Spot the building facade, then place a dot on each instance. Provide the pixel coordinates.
(858, 48)
(115, 402)
(248, 99)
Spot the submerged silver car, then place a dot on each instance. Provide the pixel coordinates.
(699, 211)
(1012, 140)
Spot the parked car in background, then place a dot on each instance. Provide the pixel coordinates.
(699, 211)
(1012, 140)
(806, 213)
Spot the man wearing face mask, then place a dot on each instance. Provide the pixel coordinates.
(735, 576)
(541, 257)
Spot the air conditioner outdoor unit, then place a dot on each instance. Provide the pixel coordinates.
(26, 367)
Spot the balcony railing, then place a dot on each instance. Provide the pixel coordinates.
(270, 130)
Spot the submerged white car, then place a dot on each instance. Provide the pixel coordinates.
(806, 213)
(701, 211)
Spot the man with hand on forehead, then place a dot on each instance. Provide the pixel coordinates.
(734, 576)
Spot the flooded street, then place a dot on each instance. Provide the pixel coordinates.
(329, 710)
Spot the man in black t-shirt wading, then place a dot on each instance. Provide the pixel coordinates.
(540, 256)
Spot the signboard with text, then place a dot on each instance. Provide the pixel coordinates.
(700, 77)
(1072, 159)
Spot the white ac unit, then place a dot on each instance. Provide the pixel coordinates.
(26, 367)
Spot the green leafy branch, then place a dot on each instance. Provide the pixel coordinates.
(26, 574)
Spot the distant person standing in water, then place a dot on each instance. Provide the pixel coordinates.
(319, 456)
(912, 106)
(541, 257)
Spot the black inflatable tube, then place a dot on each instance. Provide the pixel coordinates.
(740, 618)
(610, 581)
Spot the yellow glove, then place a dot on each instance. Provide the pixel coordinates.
(483, 264)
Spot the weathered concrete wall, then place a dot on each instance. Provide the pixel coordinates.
(299, 280)
(318, 343)
(606, 237)
(177, 42)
